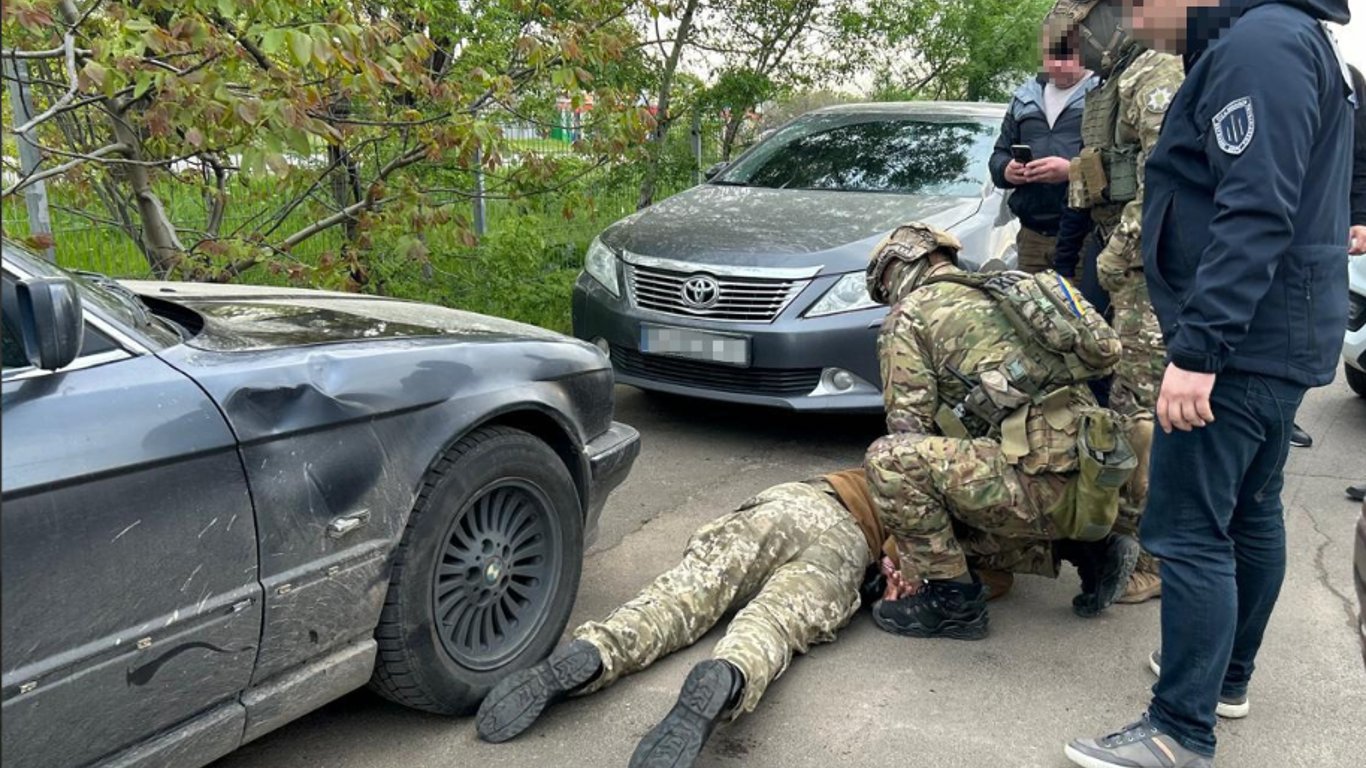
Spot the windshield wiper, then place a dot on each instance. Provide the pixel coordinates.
(125, 296)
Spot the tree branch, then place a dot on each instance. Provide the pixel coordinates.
(95, 156)
(69, 46)
(50, 53)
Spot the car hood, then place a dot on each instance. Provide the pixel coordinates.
(754, 226)
(240, 318)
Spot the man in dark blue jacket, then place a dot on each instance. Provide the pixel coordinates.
(1045, 115)
(1245, 255)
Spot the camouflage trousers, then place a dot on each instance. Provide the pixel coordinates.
(793, 557)
(921, 485)
(1035, 251)
(991, 552)
(1138, 374)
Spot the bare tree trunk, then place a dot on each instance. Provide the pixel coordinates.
(160, 243)
(661, 133)
(737, 118)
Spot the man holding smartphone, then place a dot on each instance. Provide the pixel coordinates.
(1039, 136)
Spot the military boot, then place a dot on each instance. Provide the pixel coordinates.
(1145, 584)
(1105, 572)
(712, 691)
(937, 609)
(516, 701)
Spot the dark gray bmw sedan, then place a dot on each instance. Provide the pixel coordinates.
(750, 287)
(225, 506)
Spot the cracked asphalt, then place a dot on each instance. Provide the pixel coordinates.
(1041, 677)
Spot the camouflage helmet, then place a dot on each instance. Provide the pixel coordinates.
(1098, 25)
(910, 245)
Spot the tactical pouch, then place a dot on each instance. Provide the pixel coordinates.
(994, 398)
(1106, 460)
(1089, 169)
(1121, 171)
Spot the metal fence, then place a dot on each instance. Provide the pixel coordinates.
(84, 242)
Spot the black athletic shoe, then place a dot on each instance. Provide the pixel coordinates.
(1111, 577)
(515, 702)
(1299, 438)
(1357, 492)
(711, 691)
(941, 609)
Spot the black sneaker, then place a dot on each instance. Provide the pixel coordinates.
(1357, 492)
(712, 691)
(516, 701)
(941, 609)
(1115, 564)
(1299, 438)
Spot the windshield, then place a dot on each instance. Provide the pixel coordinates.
(871, 153)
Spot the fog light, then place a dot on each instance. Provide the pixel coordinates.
(837, 381)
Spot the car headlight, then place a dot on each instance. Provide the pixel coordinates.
(601, 263)
(849, 293)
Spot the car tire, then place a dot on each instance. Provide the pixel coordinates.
(485, 576)
(1356, 380)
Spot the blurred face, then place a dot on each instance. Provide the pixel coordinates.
(1063, 72)
(1162, 23)
(1062, 64)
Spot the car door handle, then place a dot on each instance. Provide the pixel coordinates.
(341, 526)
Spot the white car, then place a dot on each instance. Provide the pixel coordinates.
(1354, 350)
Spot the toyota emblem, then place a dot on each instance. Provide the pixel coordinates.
(700, 292)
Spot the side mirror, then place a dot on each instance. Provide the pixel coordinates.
(714, 170)
(50, 321)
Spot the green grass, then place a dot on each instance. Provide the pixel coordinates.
(523, 268)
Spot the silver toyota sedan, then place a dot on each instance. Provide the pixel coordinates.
(750, 287)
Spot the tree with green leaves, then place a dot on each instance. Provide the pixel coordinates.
(970, 50)
(322, 116)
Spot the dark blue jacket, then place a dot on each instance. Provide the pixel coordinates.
(1245, 213)
(1038, 206)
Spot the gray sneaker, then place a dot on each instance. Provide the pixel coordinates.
(1139, 745)
(1229, 707)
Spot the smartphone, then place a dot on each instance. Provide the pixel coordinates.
(1022, 153)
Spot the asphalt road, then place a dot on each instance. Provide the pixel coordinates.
(1041, 677)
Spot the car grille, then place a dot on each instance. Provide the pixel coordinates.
(778, 382)
(1356, 312)
(738, 299)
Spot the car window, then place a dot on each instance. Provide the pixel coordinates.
(14, 349)
(871, 154)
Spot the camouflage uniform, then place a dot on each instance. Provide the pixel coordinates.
(1003, 491)
(792, 556)
(1120, 127)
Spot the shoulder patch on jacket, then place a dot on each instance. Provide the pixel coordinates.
(1160, 99)
(1235, 126)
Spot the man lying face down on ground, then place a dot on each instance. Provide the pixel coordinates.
(796, 560)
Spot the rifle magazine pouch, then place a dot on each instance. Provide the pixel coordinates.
(1122, 174)
(1106, 461)
(1091, 168)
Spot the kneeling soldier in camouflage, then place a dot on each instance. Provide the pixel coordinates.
(794, 557)
(993, 429)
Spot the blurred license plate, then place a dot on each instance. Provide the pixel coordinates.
(694, 345)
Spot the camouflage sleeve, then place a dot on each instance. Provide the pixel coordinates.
(910, 391)
(1144, 94)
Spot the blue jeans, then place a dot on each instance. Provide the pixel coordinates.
(1215, 520)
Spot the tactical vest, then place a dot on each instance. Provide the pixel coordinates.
(1069, 342)
(1036, 402)
(1105, 175)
